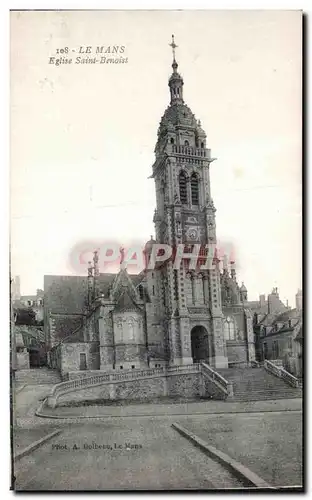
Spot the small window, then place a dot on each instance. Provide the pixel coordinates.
(186, 143)
(121, 367)
(153, 290)
(202, 145)
(172, 140)
(141, 292)
(133, 367)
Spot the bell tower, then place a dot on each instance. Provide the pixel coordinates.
(185, 214)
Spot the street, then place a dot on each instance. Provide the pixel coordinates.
(147, 454)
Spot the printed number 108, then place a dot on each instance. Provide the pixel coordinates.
(62, 51)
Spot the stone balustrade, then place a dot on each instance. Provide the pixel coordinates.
(132, 375)
(280, 372)
(187, 150)
(225, 385)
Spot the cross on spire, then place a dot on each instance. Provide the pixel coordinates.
(173, 46)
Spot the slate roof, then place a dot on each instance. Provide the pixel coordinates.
(299, 336)
(68, 294)
(126, 303)
(290, 314)
(177, 114)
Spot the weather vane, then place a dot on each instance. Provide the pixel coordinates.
(174, 46)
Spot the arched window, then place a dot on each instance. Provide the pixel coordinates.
(186, 143)
(183, 188)
(229, 329)
(172, 140)
(131, 328)
(194, 189)
(202, 145)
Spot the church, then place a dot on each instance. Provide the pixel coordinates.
(163, 316)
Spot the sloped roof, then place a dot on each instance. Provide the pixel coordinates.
(290, 314)
(299, 336)
(126, 303)
(177, 114)
(68, 294)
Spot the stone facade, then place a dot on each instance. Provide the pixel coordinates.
(168, 315)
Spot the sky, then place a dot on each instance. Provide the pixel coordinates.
(83, 136)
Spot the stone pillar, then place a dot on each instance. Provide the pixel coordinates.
(206, 289)
(220, 360)
(106, 334)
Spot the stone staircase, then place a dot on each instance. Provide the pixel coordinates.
(37, 376)
(256, 384)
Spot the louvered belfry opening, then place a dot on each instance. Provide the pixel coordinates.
(183, 188)
(194, 189)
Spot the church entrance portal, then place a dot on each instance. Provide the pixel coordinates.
(201, 344)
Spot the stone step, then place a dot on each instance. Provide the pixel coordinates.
(256, 384)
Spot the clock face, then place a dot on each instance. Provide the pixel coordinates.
(192, 233)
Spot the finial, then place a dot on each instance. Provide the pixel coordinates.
(173, 46)
(122, 254)
(151, 236)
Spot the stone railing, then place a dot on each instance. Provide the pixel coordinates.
(183, 368)
(187, 150)
(113, 377)
(280, 372)
(223, 384)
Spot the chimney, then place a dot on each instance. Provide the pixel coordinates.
(299, 300)
(274, 304)
(262, 300)
(90, 283)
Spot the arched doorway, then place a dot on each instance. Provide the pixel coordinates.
(201, 344)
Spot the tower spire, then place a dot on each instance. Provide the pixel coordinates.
(176, 81)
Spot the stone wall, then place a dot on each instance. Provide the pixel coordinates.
(70, 355)
(91, 394)
(237, 353)
(185, 385)
(175, 385)
(141, 389)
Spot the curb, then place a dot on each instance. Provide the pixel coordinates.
(241, 472)
(40, 413)
(35, 445)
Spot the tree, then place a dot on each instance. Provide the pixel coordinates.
(25, 316)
